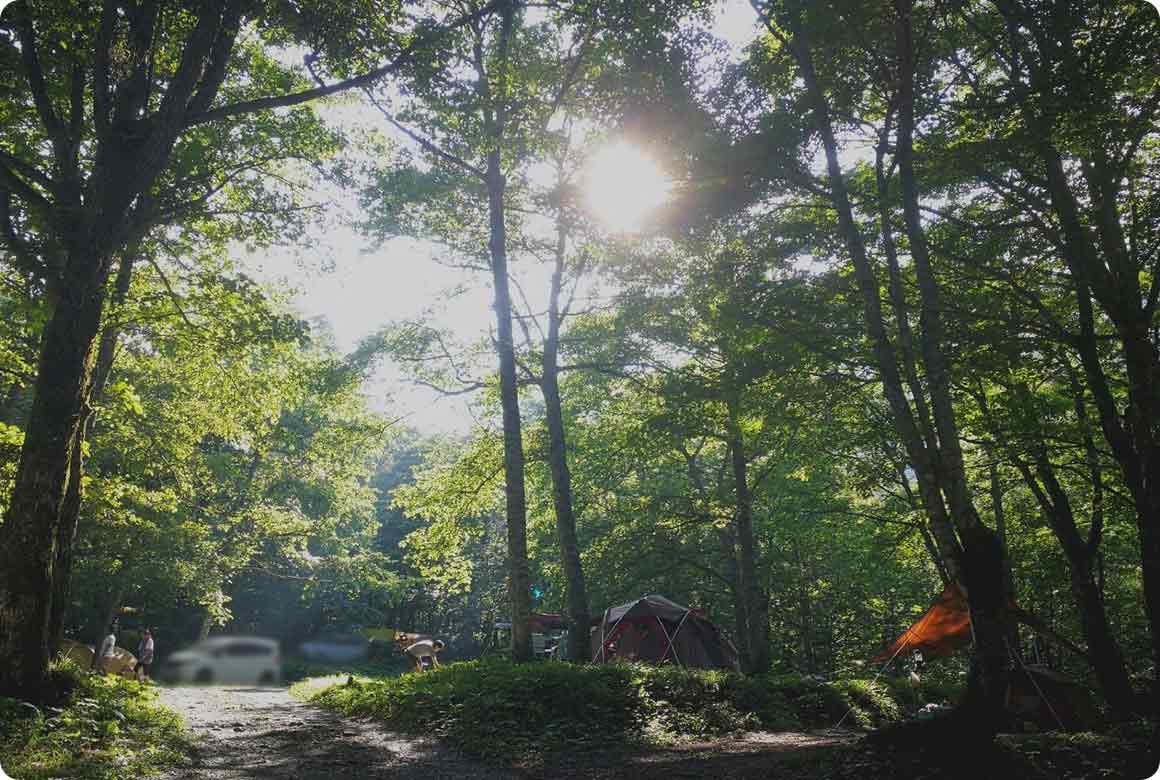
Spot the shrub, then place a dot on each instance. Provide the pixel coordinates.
(109, 728)
(870, 703)
(681, 703)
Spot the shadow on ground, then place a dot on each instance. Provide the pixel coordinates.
(245, 733)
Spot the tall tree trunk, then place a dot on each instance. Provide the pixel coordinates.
(727, 538)
(756, 616)
(495, 115)
(976, 558)
(70, 514)
(922, 459)
(577, 594)
(1104, 653)
(991, 622)
(1113, 279)
(519, 578)
(29, 534)
(897, 290)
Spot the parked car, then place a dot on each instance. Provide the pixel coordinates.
(338, 648)
(234, 660)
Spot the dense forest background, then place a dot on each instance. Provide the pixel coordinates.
(899, 297)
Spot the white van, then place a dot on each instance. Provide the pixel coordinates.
(233, 660)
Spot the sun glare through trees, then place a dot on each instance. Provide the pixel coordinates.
(623, 188)
(578, 376)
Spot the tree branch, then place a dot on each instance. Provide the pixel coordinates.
(366, 79)
(35, 75)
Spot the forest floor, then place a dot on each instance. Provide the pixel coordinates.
(242, 733)
(264, 733)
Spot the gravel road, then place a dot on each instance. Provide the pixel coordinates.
(245, 733)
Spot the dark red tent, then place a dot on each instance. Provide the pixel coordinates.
(656, 630)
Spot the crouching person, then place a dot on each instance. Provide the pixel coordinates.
(425, 653)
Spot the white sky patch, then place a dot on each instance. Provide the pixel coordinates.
(736, 24)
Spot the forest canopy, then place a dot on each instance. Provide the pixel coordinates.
(801, 331)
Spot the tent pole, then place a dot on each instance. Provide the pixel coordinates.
(1038, 690)
(603, 621)
(670, 641)
(613, 631)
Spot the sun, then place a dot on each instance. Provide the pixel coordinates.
(623, 188)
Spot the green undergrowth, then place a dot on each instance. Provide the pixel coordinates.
(495, 709)
(107, 728)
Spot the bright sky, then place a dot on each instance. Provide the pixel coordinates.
(362, 290)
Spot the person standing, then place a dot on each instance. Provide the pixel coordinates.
(144, 655)
(107, 652)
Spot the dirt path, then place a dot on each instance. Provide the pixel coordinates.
(244, 733)
(247, 733)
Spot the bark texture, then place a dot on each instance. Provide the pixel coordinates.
(576, 591)
(752, 598)
(519, 578)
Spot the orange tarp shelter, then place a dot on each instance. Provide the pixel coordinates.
(942, 629)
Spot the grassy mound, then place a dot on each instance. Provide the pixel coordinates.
(496, 709)
(107, 728)
(499, 710)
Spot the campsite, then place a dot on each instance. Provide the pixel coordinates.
(579, 388)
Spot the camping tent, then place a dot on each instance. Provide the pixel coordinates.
(655, 630)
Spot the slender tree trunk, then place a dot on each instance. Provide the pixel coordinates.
(495, 110)
(806, 618)
(1114, 280)
(757, 619)
(29, 534)
(1001, 526)
(577, 594)
(898, 297)
(519, 579)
